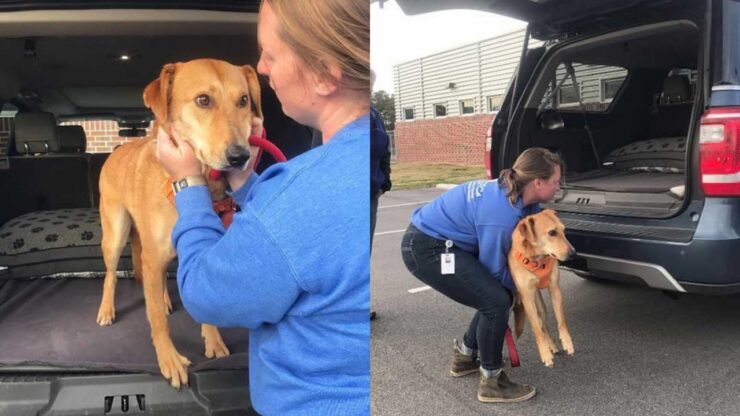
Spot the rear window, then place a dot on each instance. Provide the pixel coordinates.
(102, 135)
(595, 86)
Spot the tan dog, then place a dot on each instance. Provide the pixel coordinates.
(210, 104)
(538, 242)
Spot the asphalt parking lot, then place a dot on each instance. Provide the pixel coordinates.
(638, 352)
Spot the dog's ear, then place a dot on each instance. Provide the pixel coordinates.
(157, 95)
(530, 220)
(526, 229)
(254, 89)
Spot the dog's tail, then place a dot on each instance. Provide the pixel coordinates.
(518, 316)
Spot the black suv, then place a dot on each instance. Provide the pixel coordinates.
(641, 99)
(62, 62)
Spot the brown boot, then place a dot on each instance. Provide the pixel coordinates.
(499, 389)
(462, 364)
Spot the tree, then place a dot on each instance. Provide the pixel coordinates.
(386, 107)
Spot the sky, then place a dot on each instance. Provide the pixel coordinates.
(397, 38)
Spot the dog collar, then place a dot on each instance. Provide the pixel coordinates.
(541, 268)
(224, 208)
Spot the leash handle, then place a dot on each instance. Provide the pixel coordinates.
(267, 146)
(513, 354)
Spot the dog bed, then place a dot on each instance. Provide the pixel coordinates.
(51, 322)
(57, 243)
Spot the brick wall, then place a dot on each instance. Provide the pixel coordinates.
(443, 140)
(102, 135)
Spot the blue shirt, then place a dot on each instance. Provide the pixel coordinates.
(294, 268)
(478, 218)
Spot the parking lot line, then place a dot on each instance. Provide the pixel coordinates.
(419, 289)
(390, 232)
(403, 205)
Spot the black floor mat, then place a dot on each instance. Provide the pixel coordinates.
(52, 322)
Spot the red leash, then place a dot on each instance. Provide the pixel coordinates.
(263, 144)
(226, 207)
(513, 354)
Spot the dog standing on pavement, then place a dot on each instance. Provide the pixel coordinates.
(211, 105)
(538, 243)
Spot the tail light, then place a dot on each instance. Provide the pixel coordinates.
(487, 153)
(719, 152)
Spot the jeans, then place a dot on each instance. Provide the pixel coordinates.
(471, 284)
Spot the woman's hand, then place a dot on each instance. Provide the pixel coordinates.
(176, 156)
(237, 178)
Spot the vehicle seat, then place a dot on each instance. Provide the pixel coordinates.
(72, 139)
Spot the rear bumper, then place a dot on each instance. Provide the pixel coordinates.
(706, 264)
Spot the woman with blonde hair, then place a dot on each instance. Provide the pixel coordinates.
(474, 222)
(294, 265)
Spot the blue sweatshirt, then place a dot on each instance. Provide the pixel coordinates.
(479, 219)
(294, 268)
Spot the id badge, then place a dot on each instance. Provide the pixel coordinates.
(448, 263)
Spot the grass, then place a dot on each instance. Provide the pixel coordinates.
(426, 175)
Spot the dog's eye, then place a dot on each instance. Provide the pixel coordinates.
(203, 101)
(243, 101)
(552, 233)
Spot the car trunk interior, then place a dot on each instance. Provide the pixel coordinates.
(51, 268)
(622, 129)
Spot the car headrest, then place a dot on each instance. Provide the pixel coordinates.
(676, 89)
(36, 133)
(72, 139)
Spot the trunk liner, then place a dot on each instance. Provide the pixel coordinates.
(52, 322)
(627, 181)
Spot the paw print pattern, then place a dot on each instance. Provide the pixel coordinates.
(18, 243)
(35, 230)
(72, 226)
(52, 237)
(6, 235)
(86, 235)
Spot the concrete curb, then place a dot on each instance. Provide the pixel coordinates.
(446, 185)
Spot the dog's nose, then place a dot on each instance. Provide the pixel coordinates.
(571, 254)
(237, 155)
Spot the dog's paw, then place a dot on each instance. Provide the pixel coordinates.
(173, 367)
(567, 344)
(106, 315)
(216, 349)
(546, 357)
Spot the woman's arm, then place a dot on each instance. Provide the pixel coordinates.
(233, 278)
(494, 245)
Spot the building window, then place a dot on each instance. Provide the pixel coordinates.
(494, 102)
(440, 110)
(567, 96)
(467, 106)
(408, 113)
(610, 88)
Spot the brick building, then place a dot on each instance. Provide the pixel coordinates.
(446, 102)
